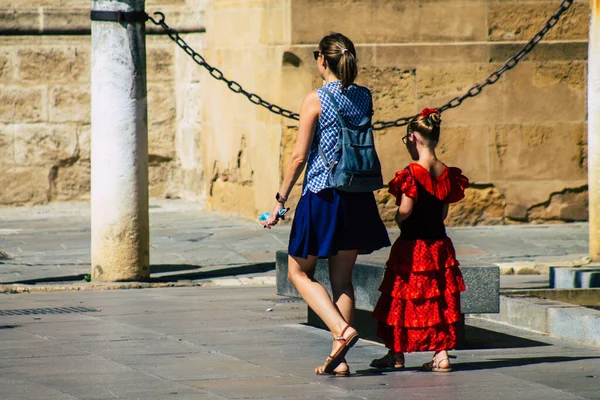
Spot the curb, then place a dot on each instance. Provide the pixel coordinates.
(538, 268)
(549, 317)
(93, 286)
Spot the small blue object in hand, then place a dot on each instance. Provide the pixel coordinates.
(262, 218)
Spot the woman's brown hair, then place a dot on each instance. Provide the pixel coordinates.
(340, 54)
(427, 123)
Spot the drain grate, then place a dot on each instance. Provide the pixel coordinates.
(46, 311)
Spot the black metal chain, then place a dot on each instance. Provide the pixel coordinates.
(495, 76)
(217, 74)
(455, 102)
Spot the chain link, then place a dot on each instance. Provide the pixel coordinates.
(217, 73)
(455, 102)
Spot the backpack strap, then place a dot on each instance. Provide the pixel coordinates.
(338, 113)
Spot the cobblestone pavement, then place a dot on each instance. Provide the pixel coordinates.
(52, 243)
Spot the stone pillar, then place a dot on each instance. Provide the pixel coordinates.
(594, 130)
(120, 231)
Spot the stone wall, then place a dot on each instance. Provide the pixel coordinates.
(45, 102)
(522, 142)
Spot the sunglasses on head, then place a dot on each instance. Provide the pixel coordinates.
(316, 54)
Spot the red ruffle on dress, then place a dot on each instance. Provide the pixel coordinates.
(419, 306)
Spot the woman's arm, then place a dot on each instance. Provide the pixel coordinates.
(405, 209)
(309, 114)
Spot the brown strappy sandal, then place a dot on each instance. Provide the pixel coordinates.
(433, 365)
(336, 358)
(319, 371)
(386, 362)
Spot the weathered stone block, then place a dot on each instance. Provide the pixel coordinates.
(14, 20)
(530, 102)
(7, 153)
(19, 104)
(44, 145)
(518, 21)
(453, 22)
(70, 103)
(23, 185)
(414, 55)
(529, 152)
(71, 182)
(457, 146)
(569, 206)
(7, 70)
(67, 20)
(544, 51)
(551, 73)
(161, 118)
(54, 64)
(542, 200)
(481, 206)
(160, 64)
(393, 91)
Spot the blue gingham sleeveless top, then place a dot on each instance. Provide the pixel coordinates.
(355, 102)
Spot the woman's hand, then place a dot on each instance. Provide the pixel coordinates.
(274, 216)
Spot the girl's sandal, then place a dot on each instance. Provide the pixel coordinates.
(433, 365)
(387, 361)
(336, 358)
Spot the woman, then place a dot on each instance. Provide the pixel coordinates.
(329, 223)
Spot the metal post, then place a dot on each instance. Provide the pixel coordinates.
(594, 130)
(120, 229)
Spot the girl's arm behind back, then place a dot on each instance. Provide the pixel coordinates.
(405, 209)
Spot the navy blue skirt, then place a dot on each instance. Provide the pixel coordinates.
(330, 221)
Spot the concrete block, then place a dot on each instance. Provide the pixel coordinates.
(593, 328)
(574, 278)
(528, 313)
(481, 296)
(483, 289)
(568, 322)
(590, 279)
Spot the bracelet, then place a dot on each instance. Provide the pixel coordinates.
(280, 198)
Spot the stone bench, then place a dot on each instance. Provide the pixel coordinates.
(481, 297)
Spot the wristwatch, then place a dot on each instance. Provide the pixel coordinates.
(280, 198)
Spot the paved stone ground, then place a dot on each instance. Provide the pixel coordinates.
(222, 342)
(215, 343)
(52, 243)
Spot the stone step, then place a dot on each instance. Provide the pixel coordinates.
(482, 281)
(574, 278)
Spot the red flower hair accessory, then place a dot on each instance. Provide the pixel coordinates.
(428, 111)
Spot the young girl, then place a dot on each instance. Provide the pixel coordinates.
(419, 306)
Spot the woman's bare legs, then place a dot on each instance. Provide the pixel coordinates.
(340, 275)
(301, 273)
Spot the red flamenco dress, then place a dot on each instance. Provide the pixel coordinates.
(419, 306)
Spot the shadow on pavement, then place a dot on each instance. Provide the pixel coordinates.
(213, 273)
(166, 268)
(480, 365)
(483, 339)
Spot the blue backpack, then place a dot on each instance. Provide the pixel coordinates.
(355, 166)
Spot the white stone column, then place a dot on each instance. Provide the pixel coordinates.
(120, 229)
(594, 130)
